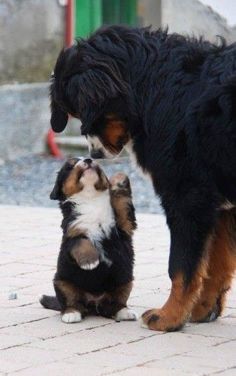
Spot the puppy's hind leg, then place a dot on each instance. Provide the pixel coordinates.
(69, 298)
(114, 305)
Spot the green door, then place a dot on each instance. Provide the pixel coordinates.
(88, 17)
(120, 12)
(90, 14)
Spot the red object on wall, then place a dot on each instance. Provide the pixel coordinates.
(52, 145)
(69, 34)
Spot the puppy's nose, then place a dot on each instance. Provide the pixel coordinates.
(88, 161)
(97, 154)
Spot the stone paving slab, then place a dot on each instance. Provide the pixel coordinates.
(34, 341)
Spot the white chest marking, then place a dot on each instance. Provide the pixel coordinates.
(227, 205)
(130, 150)
(94, 215)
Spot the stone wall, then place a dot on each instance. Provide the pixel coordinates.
(32, 34)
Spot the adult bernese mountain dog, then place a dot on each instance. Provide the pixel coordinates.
(95, 263)
(170, 101)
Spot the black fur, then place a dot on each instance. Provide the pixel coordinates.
(118, 249)
(116, 255)
(177, 96)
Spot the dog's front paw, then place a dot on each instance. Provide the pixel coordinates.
(120, 183)
(158, 319)
(90, 266)
(71, 317)
(126, 314)
(86, 255)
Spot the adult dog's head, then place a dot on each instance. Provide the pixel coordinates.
(91, 82)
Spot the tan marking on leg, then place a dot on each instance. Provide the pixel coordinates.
(69, 291)
(122, 293)
(74, 231)
(74, 297)
(121, 200)
(85, 253)
(178, 307)
(222, 264)
(114, 301)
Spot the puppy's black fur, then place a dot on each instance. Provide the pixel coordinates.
(176, 99)
(102, 288)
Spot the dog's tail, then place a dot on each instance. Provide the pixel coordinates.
(50, 302)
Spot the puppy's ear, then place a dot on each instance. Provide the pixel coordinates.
(56, 192)
(59, 118)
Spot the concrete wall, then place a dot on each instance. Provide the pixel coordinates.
(24, 119)
(149, 12)
(31, 37)
(194, 18)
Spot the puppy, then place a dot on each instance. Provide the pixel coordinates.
(95, 264)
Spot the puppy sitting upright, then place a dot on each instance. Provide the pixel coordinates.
(95, 263)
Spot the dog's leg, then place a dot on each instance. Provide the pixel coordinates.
(221, 267)
(69, 297)
(190, 238)
(114, 305)
(121, 200)
(85, 254)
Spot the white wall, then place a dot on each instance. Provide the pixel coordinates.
(226, 8)
(194, 18)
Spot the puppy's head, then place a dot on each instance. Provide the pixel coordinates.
(79, 178)
(91, 83)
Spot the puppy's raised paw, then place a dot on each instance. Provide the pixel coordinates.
(120, 183)
(126, 314)
(90, 266)
(71, 317)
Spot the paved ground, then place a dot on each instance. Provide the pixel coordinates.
(34, 341)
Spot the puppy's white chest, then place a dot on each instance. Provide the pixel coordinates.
(95, 217)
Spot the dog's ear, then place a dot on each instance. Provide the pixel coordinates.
(91, 90)
(56, 192)
(59, 118)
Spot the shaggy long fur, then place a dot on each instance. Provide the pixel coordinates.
(173, 100)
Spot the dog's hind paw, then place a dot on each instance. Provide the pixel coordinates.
(126, 314)
(71, 317)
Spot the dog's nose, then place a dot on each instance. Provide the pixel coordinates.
(97, 154)
(88, 161)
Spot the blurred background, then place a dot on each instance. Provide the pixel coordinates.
(32, 34)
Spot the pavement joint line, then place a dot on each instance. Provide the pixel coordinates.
(24, 322)
(100, 349)
(13, 346)
(142, 338)
(222, 343)
(220, 371)
(127, 368)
